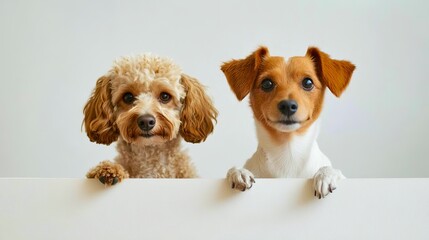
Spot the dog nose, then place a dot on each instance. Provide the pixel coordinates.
(146, 122)
(288, 107)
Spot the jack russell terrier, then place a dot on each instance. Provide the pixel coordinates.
(286, 98)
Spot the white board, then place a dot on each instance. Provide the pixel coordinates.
(209, 209)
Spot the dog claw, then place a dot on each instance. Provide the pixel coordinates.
(102, 179)
(115, 181)
(252, 180)
(315, 193)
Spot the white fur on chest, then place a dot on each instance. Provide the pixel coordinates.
(299, 157)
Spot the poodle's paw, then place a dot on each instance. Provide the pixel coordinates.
(240, 179)
(325, 181)
(108, 173)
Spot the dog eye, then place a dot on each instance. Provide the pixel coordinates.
(128, 98)
(267, 85)
(307, 84)
(164, 97)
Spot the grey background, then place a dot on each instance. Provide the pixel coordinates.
(52, 52)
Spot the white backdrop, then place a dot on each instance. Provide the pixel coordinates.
(52, 52)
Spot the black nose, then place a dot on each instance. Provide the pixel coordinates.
(146, 122)
(288, 107)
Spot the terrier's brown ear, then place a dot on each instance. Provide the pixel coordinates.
(98, 114)
(242, 73)
(198, 114)
(335, 74)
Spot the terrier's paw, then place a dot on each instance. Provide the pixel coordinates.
(240, 179)
(108, 173)
(325, 181)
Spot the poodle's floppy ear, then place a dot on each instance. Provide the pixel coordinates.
(335, 74)
(242, 73)
(98, 114)
(198, 113)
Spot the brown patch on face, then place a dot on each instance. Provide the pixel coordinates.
(287, 77)
(288, 85)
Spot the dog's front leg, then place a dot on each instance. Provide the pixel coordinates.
(325, 181)
(108, 173)
(240, 179)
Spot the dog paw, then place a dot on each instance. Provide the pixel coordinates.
(240, 179)
(108, 173)
(325, 181)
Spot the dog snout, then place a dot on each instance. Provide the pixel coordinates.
(288, 107)
(146, 122)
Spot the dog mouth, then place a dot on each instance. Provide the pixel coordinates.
(147, 134)
(288, 122)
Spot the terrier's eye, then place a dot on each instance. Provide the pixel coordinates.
(128, 98)
(267, 85)
(307, 84)
(164, 97)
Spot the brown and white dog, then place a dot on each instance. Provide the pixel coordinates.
(286, 98)
(147, 104)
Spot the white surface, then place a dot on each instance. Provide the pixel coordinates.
(52, 52)
(208, 209)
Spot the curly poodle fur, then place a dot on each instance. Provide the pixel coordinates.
(147, 105)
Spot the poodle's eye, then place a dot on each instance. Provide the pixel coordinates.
(164, 97)
(128, 98)
(307, 84)
(267, 85)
